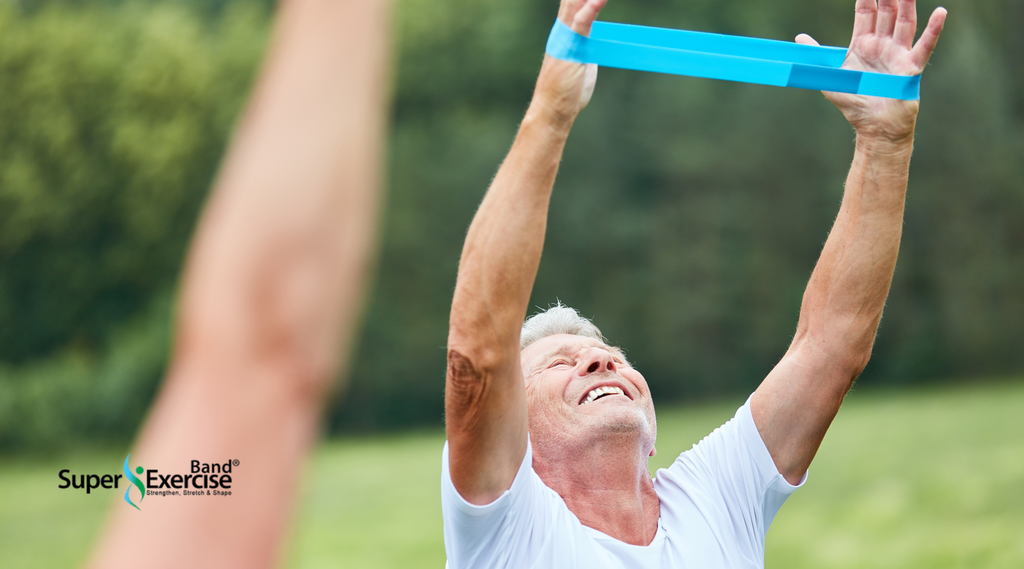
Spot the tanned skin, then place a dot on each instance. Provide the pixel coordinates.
(271, 292)
(595, 455)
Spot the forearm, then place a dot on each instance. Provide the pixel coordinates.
(274, 280)
(843, 302)
(504, 242)
(276, 269)
(841, 309)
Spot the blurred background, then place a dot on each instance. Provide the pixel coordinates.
(686, 220)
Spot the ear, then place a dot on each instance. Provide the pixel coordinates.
(654, 451)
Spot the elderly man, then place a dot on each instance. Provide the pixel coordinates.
(550, 428)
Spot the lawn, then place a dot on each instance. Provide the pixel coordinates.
(919, 478)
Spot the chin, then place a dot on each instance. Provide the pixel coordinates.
(624, 421)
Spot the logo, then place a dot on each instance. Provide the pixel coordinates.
(134, 480)
(200, 479)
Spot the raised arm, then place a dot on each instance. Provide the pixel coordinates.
(270, 295)
(842, 305)
(485, 399)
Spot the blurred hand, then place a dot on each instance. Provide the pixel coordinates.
(564, 88)
(883, 42)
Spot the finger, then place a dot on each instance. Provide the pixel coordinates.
(864, 18)
(804, 39)
(886, 22)
(567, 10)
(586, 15)
(906, 24)
(926, 45)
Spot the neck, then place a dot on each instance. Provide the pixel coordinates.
(605, 483)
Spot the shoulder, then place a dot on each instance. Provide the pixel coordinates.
(728, 476)
(735, 444)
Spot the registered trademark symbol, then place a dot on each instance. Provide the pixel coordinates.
(235, 462)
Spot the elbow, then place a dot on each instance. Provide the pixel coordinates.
(485, 359)
(853, 364)
(292, 379)
(474, 361)
(845, 357)
(467, 385)
(480, 338)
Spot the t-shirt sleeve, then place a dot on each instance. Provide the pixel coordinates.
(508, 532)
(732, 471)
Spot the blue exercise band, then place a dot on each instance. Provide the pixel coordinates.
(718, 56)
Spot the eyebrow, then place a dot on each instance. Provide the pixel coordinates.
(563, 349)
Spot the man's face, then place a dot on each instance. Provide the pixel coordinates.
(579, 389)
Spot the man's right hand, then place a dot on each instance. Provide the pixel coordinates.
(564, 88)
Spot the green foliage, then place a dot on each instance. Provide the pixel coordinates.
(112, 122)
(111, 127)
(686, 219)
(59, 402)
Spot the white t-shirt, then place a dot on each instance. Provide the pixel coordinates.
(717, 501)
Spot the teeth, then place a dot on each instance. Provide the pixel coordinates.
(599, 391)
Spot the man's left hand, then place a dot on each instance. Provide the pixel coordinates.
(883, 42)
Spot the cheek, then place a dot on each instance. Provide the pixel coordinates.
(531, 401)
(545, 402)
(546, 386)
(539, 398)
(535, 400)
(541, 417)
(638, 380)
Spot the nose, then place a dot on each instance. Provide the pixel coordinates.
(597, 361)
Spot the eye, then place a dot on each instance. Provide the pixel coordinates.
(559, 362)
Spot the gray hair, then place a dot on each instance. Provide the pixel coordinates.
(559, 319)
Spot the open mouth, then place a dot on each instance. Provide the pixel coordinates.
(599, 392)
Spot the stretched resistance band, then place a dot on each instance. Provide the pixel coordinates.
(718, 56)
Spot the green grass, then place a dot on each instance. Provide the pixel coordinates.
(925, 478)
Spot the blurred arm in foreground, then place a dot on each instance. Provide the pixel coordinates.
(271, 291)
(842, 305)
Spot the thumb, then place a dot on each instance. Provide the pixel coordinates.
(804, 39)
(589, 82)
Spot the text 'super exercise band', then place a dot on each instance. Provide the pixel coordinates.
(718, 56)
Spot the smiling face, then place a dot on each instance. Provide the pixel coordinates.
(580, 391)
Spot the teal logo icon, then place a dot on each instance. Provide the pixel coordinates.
(134, 481)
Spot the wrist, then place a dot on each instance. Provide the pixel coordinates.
(885, 145)
(544, 114)
(561, 92)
